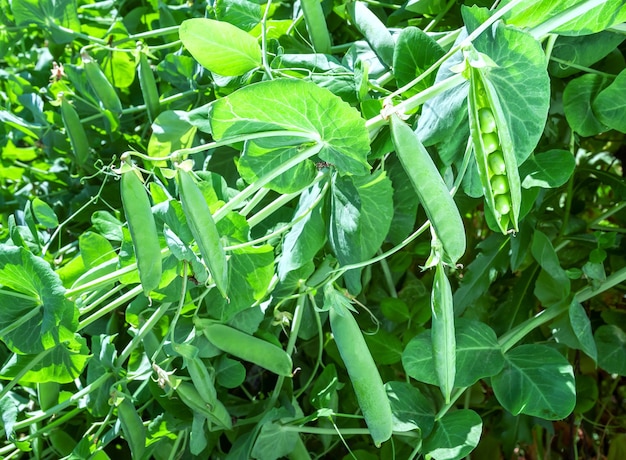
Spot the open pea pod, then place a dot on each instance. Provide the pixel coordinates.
(432, 192)
(493, 145)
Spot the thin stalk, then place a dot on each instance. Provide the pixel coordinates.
(15, 380)
(266, 66)
(414, 101)
(100, 298)
(147, 327)
(254, 201)
(134, 292)
(246, 193)
(149, 34)
(388, 277)
(38, 416)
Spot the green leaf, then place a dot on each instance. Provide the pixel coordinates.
(575, 53)
(49, 14)
(550, 169)
(44, 214)
(578, 100)
(229, 373)
(324, 390)
(171, 131)
(611, 342)
(34, 313)
(273, 442)
(574, 330)
(62, 363)
(260, 158)
(250, 272)
(361, 211)
(385, 347)
(455, 435)
(404, 203)
(307, 236)
(532, 13)
(107, 225)
(95, 249)
(301, 109)
(553, 286)
(411, 409)
(536, 380)
(481, 272)
(478, 355)
(243, 14)
(609, 105)
(415, 51)
(220, 47)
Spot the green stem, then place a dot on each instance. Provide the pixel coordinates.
(134, 292)
(147, 327)
(344, 431)
(15, 380)
(242, 196)
(75, 398)
(149, 34)
(373, 124)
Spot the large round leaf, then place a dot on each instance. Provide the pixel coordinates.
(538, 381)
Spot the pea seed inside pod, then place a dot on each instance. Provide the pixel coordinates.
(486, 120)
(503, 204)
(499, 185)
(496, 163)
(490, 142)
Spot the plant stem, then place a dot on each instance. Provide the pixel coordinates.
(134, 292)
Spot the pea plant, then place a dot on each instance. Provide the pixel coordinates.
(338, 229)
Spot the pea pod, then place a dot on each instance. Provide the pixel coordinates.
(148, 85)
(247, 347)
(443, 337)
(432, 192)
(216, 413)
(493, 146)
(75, 131)
(132, 427)
(203, 229)
(143, 230)
(366, 381)
(101, 85)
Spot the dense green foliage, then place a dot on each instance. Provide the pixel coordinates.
(364, 229)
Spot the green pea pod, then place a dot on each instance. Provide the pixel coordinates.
(247, 347)
(316, 25)
(132, 427)
(366, 381)
(493, 145)
(143, 230)
(202, 380)
(443, 336)
(148, 86)
(216, 413)
(101, 85)
(203, 229)
(75, 132)
(432, 192)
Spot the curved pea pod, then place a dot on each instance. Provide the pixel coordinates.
(215, 413)
(143, 231)
(443, 335)
(101, 85)
(148, 85)
(203, 229)
(432, 192)
(201, 378)
(493, 149)
(247, 347)
(365, 378)
(75, 131)
(132, 427)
